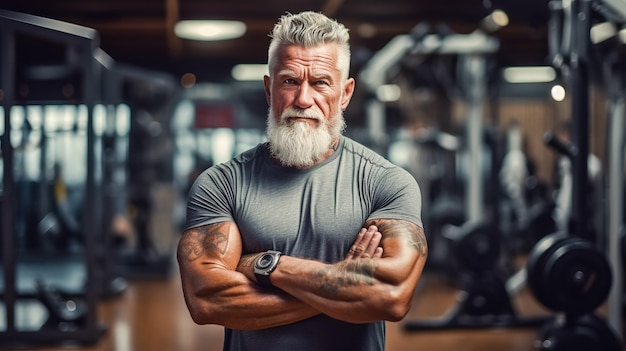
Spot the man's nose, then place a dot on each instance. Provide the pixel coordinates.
(304, 98)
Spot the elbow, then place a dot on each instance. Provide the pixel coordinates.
(201, 311)
(397, 305)
(397, 313)
(199, 319)
(200, 315)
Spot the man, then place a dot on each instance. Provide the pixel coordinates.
(342, 224)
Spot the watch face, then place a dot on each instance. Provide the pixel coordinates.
(264, 261)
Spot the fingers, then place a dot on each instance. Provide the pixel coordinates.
(373, 243)
(366, 244)
(378, 253)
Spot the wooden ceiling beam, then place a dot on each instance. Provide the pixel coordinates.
(331, 7)
(172, 15)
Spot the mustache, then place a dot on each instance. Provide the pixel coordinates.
(300, 113)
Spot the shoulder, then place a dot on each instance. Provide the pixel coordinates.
(376, 168)
(251, 154)
(365, 154)
(368, 159)
(241, 160)
(232, 168)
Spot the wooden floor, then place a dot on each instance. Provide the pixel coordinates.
(151, 316)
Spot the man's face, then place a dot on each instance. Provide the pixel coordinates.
(306, 95)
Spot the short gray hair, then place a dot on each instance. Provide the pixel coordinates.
(310, 29)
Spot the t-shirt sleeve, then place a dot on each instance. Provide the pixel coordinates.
(209, 200)
(398, 196)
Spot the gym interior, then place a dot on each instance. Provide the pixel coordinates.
(509, 114)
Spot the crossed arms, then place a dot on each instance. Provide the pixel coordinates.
(375, 281)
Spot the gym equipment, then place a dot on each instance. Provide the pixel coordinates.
(149, 95)
(609, 48)
(587, 332)
(567, 272)
(483, 300)
(569, 275)
(12, 24)
(63, 313)
(475, 246)
(82, 69)
(526, 207)
(442, 203)
(471, 51)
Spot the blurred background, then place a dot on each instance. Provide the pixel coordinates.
(509, 114)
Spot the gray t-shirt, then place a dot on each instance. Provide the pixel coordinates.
(313, 213)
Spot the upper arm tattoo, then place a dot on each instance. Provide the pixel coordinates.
(198, 242)
(412, 233)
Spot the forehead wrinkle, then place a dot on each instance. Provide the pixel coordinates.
(308, 57)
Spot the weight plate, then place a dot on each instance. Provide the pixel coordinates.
(577, 277)
(536, 261)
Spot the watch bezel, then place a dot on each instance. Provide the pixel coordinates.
(262, 272)
(265, 261)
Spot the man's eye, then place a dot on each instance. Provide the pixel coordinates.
(321, 82)
(289, 81)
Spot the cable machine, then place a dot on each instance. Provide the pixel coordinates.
(471, 50)
(484, 300)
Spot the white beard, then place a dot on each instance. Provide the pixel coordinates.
(298, 144)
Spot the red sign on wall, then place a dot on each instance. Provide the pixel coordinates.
(214, 115)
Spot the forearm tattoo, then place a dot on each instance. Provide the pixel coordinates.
(348, 273)
(357, 272)
(211, 239)
(247, 260)
(413, 234)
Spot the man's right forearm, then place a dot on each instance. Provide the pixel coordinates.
(216, 293)
(239, 303)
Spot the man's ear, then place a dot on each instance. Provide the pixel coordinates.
(267, 82)
(348, 90)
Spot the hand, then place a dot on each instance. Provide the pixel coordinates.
(366, 244)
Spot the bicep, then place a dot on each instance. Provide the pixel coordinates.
(404, 249)
(212, 244)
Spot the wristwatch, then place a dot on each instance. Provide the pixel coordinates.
(265, 265)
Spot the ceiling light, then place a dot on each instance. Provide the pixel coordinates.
(495, 21)
(388, 92)
(602, 32)
(538, 74)
(188, 80)
(245, 72)
(558, 93)
(209, 30)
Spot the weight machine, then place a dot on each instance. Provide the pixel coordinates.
(67, 283)
(484, 300)
(471, 50)
(84, 41)
(567, 271)
(609, 43)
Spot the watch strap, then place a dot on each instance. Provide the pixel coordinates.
(264, 280)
